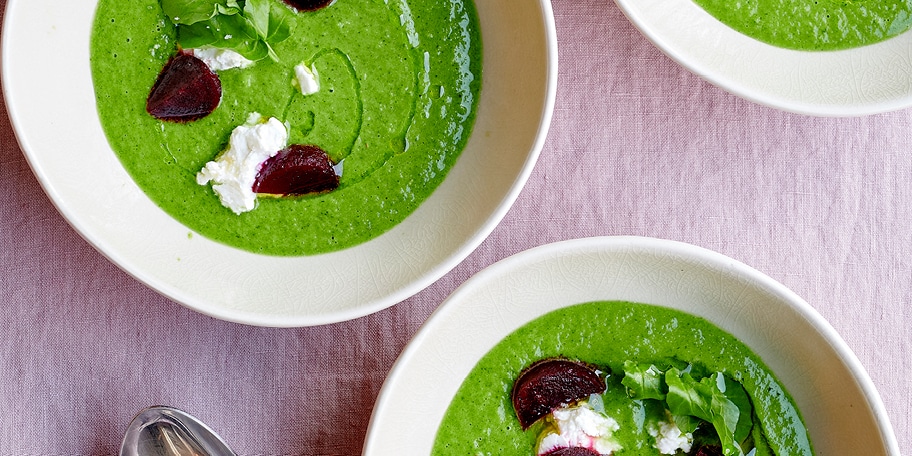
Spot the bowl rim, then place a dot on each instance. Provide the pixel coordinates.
(444, 261)
(669, 248)
(715, 71)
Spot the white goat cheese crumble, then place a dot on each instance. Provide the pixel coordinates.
(580, 426)
(669, 438)
(234, 172)
(307, 79)
(221, 59)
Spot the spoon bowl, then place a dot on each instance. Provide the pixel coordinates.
(166, 431)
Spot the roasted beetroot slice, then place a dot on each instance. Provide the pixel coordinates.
(308, 5)
(573, 451)
(551, 383)
(297, 170)
(186, 90)
(708, 450)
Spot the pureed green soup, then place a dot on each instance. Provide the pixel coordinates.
(399, 84)
(814, 25)
(480, 419)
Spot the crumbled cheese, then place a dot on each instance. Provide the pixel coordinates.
(234, 171)
(307, 79)
(580, 426)
(669, 438)
(221, 59)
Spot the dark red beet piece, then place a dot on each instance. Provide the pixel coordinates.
(708, 450)
(308, 5)
(572, 451)
(186, 90)
(551, 383)
(296, 170)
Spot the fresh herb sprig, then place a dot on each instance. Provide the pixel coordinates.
(249, 27)
(714, 398)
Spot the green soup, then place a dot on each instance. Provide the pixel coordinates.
(480, 419)
(399, 88)
(814, 25)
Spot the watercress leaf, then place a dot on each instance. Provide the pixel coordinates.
(221, 31)
(281, 24)
(720, 404)
(253, 49)
(189, 11)
(228, 10)
(269, 23)
(644, 381)
(245, 28)
(724, 413)
(686, 396)
(249, 27)
(704, 400)
(271, 52)
(730, 447)
(736, 393)
(686, 423)
(257, 13)
(196, 35)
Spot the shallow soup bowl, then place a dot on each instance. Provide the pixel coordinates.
(853, 82)
(49, 94)
(840, 406)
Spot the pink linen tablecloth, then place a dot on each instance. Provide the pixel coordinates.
(638, 146)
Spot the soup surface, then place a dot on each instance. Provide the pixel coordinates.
(481, 420)
(399, 84)
(814, 25)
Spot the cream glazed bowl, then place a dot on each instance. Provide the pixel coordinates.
(69, 154)
(840, 406)
(860, 81)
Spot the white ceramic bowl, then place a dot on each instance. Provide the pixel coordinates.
(49, 94)
(860, 81)
(843, 411)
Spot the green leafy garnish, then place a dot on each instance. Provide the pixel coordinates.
(715, 399)
(248, 27)
(708, 400)
(644, 381)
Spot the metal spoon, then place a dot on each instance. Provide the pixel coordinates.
(166, 431)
